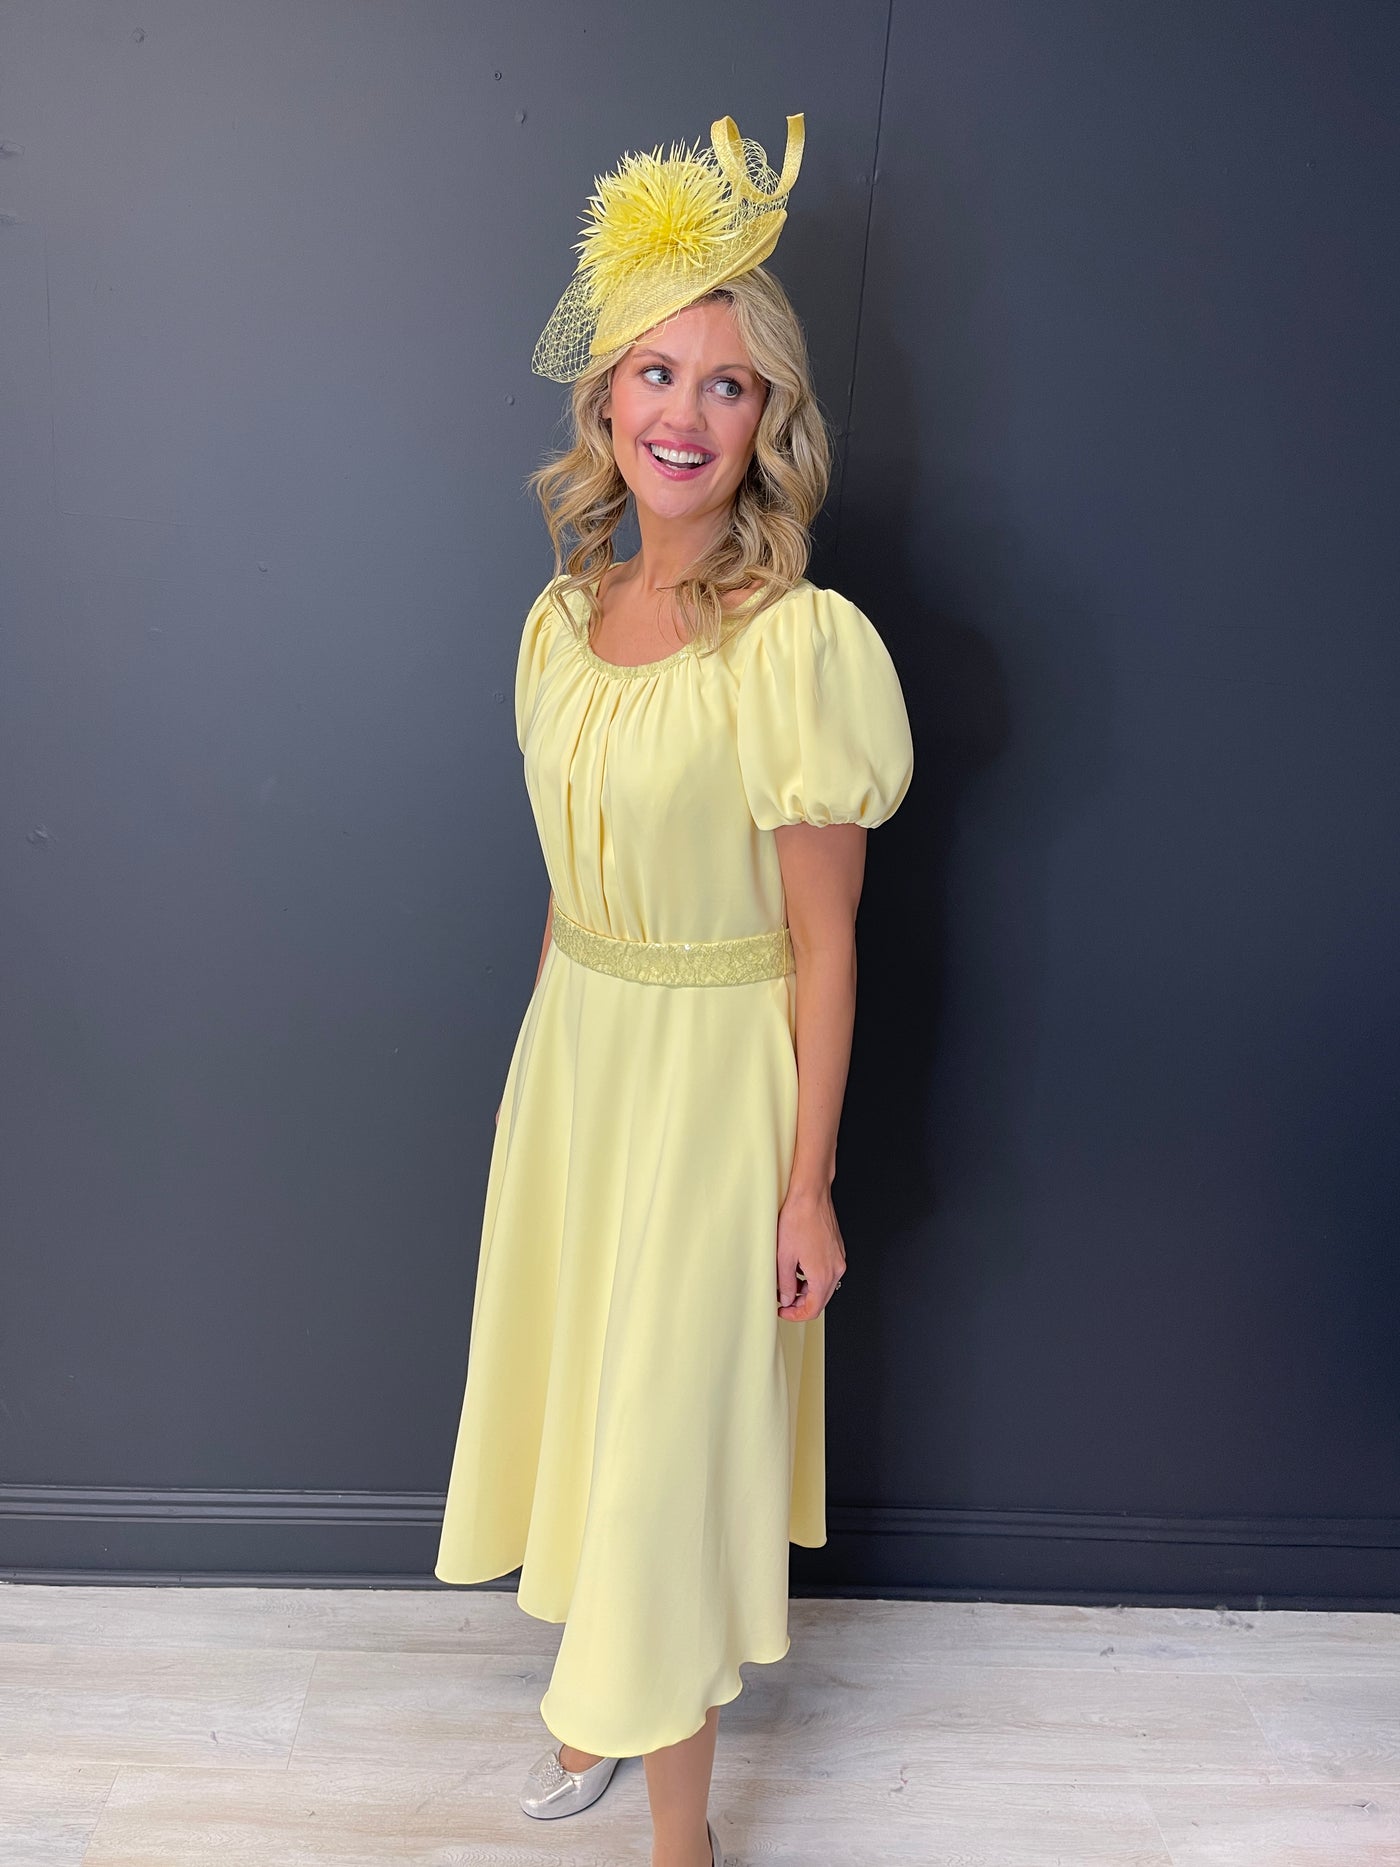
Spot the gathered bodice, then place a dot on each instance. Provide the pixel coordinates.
(656, 788)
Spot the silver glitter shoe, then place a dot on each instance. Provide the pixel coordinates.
(715, 1849)
(551, 1790)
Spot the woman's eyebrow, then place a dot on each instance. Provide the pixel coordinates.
(718, 370)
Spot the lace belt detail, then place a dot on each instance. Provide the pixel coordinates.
(740, 961)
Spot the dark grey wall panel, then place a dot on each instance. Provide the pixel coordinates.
(272, 895)
(1122, 490)
(1118, 1172)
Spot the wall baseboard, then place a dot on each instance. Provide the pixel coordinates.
(382, 1539)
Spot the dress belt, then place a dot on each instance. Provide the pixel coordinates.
(766, 955)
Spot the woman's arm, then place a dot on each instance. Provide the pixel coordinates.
(823, 869)
(544, 949)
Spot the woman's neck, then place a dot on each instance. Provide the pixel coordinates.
(668, 549)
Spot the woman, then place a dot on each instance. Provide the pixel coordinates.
(707, 737)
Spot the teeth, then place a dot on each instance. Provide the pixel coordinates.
(676, 457)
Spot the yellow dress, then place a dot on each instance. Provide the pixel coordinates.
(641, 1434)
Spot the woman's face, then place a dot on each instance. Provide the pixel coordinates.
(684, 404)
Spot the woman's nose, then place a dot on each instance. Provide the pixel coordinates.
(689, 404)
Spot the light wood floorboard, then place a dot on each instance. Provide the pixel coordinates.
(189, 1727)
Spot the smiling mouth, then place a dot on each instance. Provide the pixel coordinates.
(678, 463)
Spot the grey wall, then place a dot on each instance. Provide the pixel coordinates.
(1108, 296)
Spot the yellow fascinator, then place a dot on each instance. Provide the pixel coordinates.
(659, 233)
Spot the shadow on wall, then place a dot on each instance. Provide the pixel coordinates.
(1007, 684)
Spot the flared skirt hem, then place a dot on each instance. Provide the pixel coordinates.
(729, 1688)
(726, 1690)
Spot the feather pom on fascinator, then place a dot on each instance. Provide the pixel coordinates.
(659, 233)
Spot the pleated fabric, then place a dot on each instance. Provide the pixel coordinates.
(641, 1434)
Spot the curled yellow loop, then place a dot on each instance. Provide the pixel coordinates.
(728, 146)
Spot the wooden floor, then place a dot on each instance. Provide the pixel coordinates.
(369, 1728)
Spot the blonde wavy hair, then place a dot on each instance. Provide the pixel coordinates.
(768, 540)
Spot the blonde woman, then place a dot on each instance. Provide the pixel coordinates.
(707, 737)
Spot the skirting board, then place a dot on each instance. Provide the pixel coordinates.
(339, 1539)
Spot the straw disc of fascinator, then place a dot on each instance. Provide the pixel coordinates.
(661, 231)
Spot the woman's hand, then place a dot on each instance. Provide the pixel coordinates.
(809, 1242)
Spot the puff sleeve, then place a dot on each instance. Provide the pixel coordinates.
(530, 658)
(822, 728)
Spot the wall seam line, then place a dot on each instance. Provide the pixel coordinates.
(864, 268)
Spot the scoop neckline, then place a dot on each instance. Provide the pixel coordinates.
(623, 669)
(627, 670)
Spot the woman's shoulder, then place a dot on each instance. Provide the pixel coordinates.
(811, 620)
(549, 600)
(806, 598)
(558, 606)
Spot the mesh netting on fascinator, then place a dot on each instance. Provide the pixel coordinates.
(659, 233)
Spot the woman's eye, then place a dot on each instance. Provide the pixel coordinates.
(730, 389)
